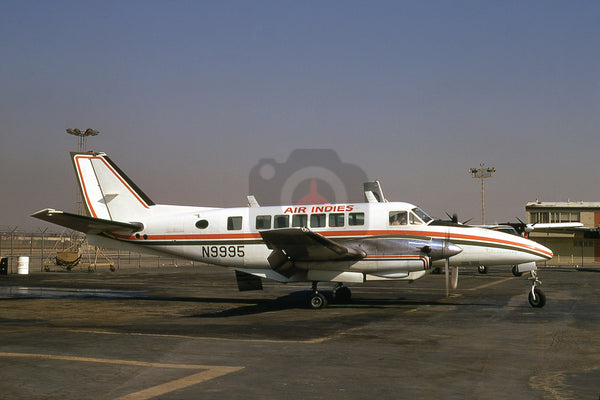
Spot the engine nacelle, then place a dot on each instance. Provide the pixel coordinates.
(433, 249)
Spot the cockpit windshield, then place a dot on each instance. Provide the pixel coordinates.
(422, 214)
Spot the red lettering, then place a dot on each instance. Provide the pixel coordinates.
(349, 208)
(317, 209)
(300, 210)
(328, 208)
(288, 210)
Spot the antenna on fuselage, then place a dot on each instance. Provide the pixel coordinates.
(374, 192)
(252, 202)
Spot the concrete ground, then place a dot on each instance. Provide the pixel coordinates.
(187, 333)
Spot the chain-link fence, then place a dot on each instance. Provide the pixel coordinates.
(68, 250)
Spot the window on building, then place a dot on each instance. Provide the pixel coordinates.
(540, 217)
(575, 217)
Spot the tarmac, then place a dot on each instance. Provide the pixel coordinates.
(187, 333)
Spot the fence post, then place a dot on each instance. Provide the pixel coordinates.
(43, 232)
(12, 237)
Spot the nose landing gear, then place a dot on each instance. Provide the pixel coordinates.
(537, 298)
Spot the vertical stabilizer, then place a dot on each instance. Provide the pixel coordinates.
(107, 192)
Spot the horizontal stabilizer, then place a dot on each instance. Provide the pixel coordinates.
(86, 224)
(302, 244)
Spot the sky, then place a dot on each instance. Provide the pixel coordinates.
(188, 96)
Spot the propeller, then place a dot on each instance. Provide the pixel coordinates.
(451, 276)
(450, 250)
(453, 217)
(452, 221)
(526, 227)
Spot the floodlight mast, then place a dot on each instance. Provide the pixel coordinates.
(482, 173)
(82, 137)
(81, 148)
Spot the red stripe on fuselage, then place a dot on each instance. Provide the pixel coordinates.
(352, 235)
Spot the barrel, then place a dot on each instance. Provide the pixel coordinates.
(23, 266)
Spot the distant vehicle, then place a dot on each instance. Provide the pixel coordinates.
(341, 243)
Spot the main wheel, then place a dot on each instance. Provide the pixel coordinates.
(515, 271)
(482, 269)
(540, 298)
(342, 294)
(317, 300)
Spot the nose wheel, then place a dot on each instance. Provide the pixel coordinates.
(537, 298)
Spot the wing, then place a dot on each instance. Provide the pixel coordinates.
(86, 224)
(302, 244)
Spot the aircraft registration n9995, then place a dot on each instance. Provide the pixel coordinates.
(341, 243)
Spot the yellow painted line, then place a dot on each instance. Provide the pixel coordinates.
(209, 372)
(490, 284)
(181, 383)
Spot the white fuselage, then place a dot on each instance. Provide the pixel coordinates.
(231, 237)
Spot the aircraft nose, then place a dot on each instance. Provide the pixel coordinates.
(546, 252)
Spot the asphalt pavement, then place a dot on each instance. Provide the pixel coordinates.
(187, 333)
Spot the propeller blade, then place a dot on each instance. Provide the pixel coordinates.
(454, 283)
(447, 272)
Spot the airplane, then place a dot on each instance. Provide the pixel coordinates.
(342, 243)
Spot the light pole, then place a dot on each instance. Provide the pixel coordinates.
(82, 135)
(481, 173)
(81, 147)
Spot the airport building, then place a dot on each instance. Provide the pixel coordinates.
(579, 247)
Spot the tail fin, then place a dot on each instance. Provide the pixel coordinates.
(107, 192)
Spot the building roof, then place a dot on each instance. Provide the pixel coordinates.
(563, 204)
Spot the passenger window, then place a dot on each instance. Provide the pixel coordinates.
(336, 220)
(299, 220)
(281, 221)
(263, 222)
(234, 223)
(202, 224)
(414, 220)
(356, 218)
(317, 220)
(398, 217)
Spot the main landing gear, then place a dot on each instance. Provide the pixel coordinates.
(341, 294)
(537, 298)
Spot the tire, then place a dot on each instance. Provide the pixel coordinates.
(515, 271)
(317, 301)
(342, 295)
(540, 298)
(482, 269)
